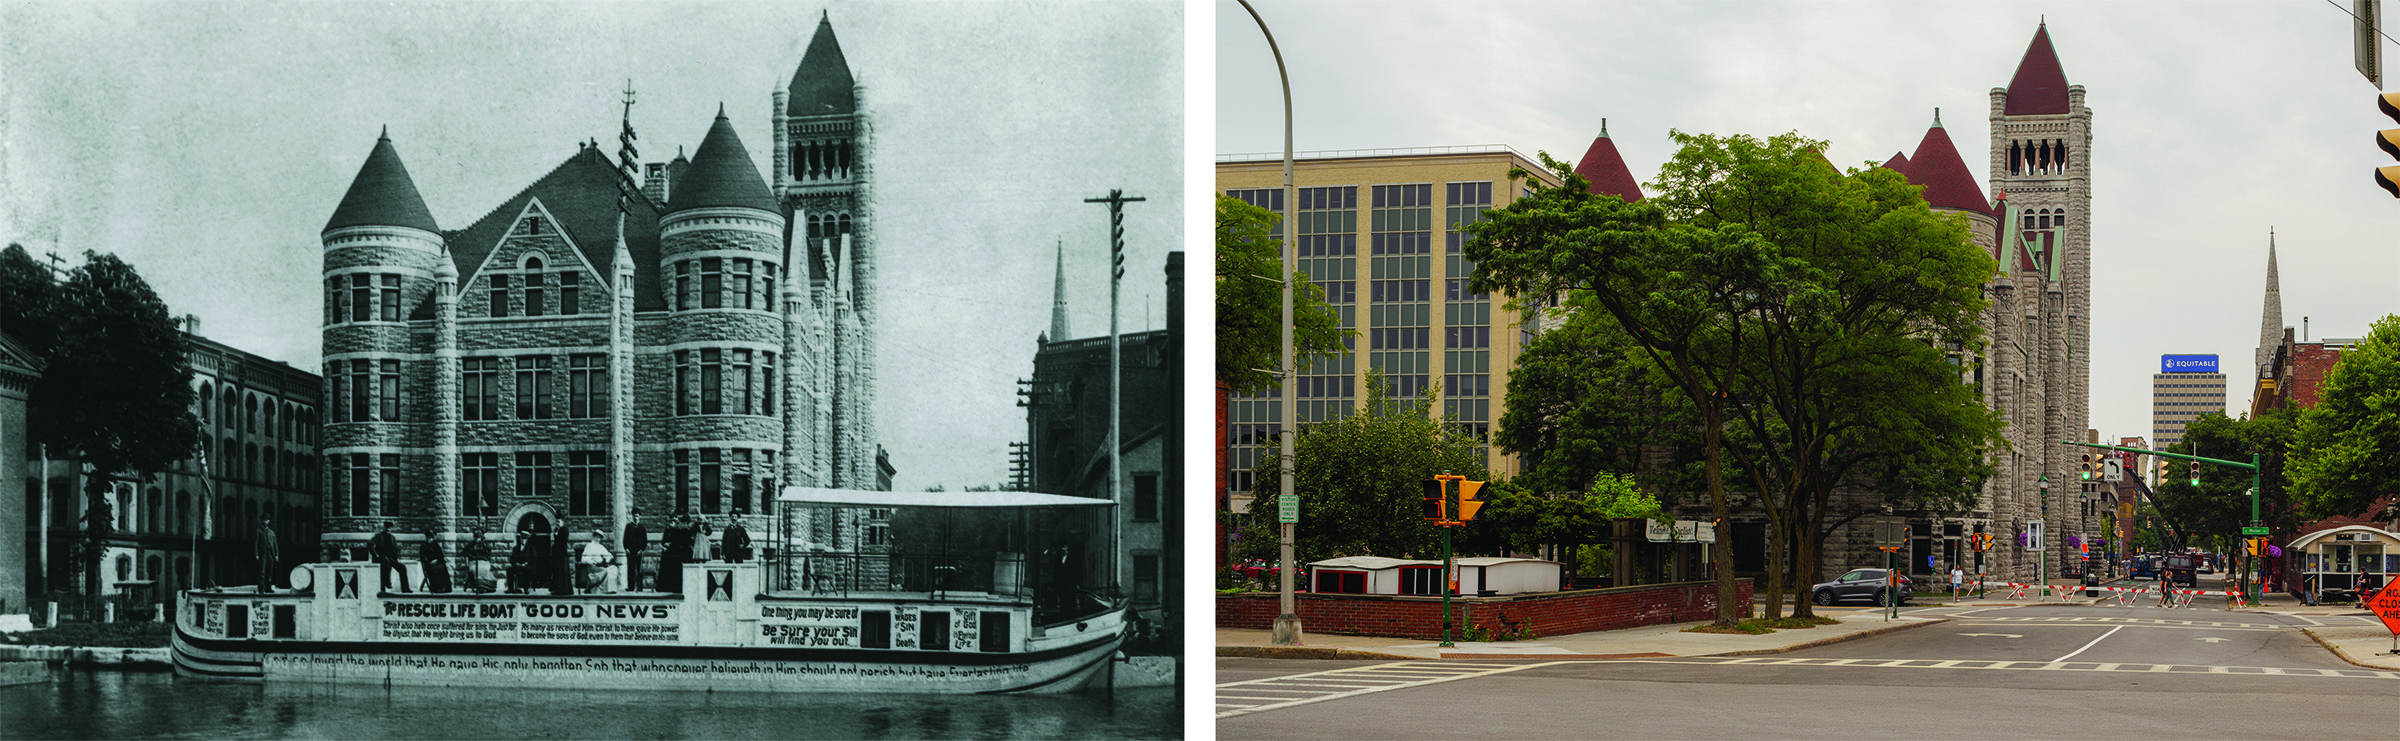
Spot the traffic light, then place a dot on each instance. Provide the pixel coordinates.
(1467, 503)
(1437, 500)
(2389, 141)
(2087, 466)
(2195, 473)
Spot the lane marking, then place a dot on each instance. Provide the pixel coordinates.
(2088, 646)
(1315, 687)
(2079, 666)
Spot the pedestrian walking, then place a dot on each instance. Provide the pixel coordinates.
(479, 563)
(385, 549)
(637, 538)
(2166, 592)
(435, 563)
(267, 550)
(1958, 581)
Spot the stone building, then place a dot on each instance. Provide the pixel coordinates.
(681, 336)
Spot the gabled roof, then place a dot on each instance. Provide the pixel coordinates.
(1606, 169)
(1898, 163)
(1948, 183)
(382, 194)
(582, 194)
(822, 86)
(721, 174)
(2040, 85)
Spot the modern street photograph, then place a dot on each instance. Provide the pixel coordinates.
(1806, 370)
(593, 370)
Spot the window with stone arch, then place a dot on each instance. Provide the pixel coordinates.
(271, 429)
(537, 283)
(249, 413)
(208, 401)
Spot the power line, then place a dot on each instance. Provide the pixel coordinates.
(2354, 16)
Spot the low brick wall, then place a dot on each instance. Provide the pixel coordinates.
(1546, 613)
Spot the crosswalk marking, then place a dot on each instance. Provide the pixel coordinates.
(2072, 666)
(1981, 619)
(1339, 683)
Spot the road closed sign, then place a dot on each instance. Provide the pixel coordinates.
(2387, 606)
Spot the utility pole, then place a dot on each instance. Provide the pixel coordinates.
(1287, 622)
(1116, 200)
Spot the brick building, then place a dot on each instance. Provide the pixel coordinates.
(682, 336)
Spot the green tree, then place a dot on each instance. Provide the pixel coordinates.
(2220, 506)
(2347, 456)
(1360, 481)
(1518, 519)
(1685, 294)
(116, 392)
(1250, 302)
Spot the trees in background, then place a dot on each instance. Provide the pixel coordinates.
(2347, 451)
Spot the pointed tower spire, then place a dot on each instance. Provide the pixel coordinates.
(1605, 169)
(2040, 85)
(2270, 320)
(823, 85)
(721, 174)
(1058, 298)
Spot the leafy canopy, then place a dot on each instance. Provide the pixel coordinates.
(2348, 451)
(1360, 481)
(1250, 302)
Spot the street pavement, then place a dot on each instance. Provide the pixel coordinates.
(1983, 668)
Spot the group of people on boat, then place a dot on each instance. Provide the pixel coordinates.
(553, 563)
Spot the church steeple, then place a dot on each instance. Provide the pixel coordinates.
(2040, 85)
(1058, 298)
(2270, 320)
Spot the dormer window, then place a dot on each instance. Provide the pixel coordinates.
(531, 226)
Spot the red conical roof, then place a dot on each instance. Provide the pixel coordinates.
(721, 175)
(1948, 183)
(1606, 169)
(1898, 163)
(382, 194)
(2040, 85)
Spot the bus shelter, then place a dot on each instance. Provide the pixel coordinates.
(2335, 563)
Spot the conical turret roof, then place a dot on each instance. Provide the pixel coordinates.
(2040, 85)
(721, 175)
(382, 194)
(822, 86)
(1898, 163)
(1606, 169)
(1948, 183)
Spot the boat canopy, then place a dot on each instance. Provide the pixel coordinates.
(804, 496)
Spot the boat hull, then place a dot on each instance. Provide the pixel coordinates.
(1067, 668)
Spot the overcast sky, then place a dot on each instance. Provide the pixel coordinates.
(2212, 123)
(207, 144)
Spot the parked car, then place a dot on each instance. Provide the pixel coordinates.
(1859, 584)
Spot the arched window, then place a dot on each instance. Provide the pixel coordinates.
(232, 409)
(271, 422)
(208, 403)
(267, 470)
(153, 510)
(250, 462)
(249, 413)
(124, 567)
(150, 567)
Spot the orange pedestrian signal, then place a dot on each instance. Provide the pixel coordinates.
(1437, 500)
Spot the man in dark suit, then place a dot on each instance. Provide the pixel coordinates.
(636, 539)
(561, 562)
(436, 564)
(267, 551)
(385, 549)
(737, 539)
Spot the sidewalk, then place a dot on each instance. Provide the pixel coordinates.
(1652, 641)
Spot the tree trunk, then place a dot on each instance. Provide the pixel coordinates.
(1806, 544)
(1775, 568)
(1721, 557)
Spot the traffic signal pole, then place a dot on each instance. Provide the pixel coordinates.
(2255, 484)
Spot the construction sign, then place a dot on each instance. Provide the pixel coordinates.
(2387, 606)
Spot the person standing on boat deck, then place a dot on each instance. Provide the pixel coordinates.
(562, 562)
(677, 550)
(436, 564)
(520, 563)
(385, 549)
(703, 549)
(737, 539)
(595, 564)
(636, 539)
(479, 563)
(537, 563)
(266, 549)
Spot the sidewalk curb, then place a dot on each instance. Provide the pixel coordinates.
(1311, 652)
(1833, 640)
(2339, 653)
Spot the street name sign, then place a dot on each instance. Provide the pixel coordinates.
(1681, 531)
(2254, 531)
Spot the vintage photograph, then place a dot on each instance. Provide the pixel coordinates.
(684, 370)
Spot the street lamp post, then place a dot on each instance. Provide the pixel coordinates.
(2042, 558)
(1287, 622)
